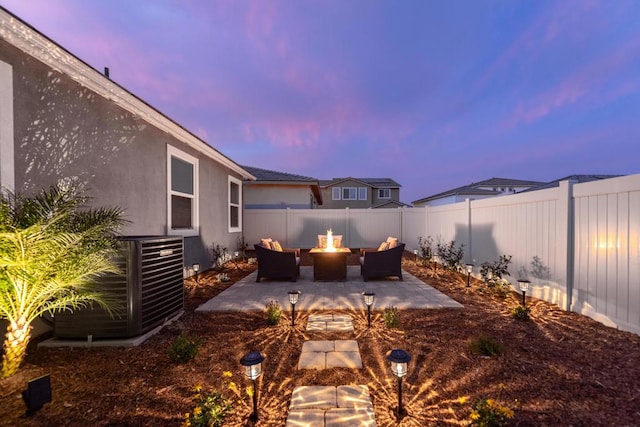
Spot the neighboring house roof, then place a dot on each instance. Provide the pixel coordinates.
(573, 178)
(371, 182)
(26, 38)
(266, 176)
(474, 189)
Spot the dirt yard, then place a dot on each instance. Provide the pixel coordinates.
(559, 368)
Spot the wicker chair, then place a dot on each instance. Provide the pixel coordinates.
(374, 263)
(278, 265)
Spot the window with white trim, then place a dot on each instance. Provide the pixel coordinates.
(384, 193)
(349, 193)
(235, 205)
(362, 193)
(182, 201)
(335, 193)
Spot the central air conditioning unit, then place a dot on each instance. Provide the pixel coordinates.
(147, 292)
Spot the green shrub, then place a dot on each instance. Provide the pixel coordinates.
(485, 346)
(492, 272)
(489, 413)
(521, 313)
(426, 249)
(184, 348)
(450, 255)
(209, 411)
(391, 317)
(274, 313)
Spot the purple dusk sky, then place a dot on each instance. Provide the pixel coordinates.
(433, 94)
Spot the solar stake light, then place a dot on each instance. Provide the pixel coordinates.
(252, 363)
(469, 270)
(436, 260)
(369, 298)
(399, 360)
(196, 268)
(524, 286)
(293, 299)
(415, 256)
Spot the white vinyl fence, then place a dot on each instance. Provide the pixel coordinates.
(579, 244)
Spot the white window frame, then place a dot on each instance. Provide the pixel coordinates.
(384, 190)
(195, 217)
(233, 180)
(350, 189)
(336, 193)
(362, 193)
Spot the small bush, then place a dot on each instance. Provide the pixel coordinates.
(485, 346)
(210, 409)
(450, 255)
(223, 277)
(219, 255)
(391, 317)
(489, 413)
(492, 272)
(521, 313)
(274, 313)
(184, 348)
(425, 252)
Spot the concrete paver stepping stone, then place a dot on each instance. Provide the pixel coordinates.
(313, 360)
(331, 406)
(305, 418)
(318, 345)
(344, 359)
(330, 322)
(340, 417)
(353, 396)
(314, 397)
(325, 354)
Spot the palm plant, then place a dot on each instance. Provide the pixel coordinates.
(52, 249)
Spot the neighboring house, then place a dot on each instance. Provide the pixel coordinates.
(478, 190)
(62, 119)
(574, 179)
(279, 190)
(360, 193)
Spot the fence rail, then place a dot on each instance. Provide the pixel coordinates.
(579, 244)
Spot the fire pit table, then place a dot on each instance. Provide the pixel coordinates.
(330, 265)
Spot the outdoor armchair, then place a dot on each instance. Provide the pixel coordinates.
(278, 265)
(374, 263)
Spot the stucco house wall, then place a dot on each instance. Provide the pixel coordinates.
(264, 196)
(62, 129)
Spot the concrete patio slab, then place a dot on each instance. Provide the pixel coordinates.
(246, 294)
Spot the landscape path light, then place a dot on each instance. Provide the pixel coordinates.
(399, 360)
(293, 300)
(415, 256)
(196, 268)
(524, 285)
(252, 363)
(469, 270)
(436, 259)
(368, 298)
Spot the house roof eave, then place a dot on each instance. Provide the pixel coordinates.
(29, 40)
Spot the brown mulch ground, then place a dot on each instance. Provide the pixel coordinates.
(559, 368)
